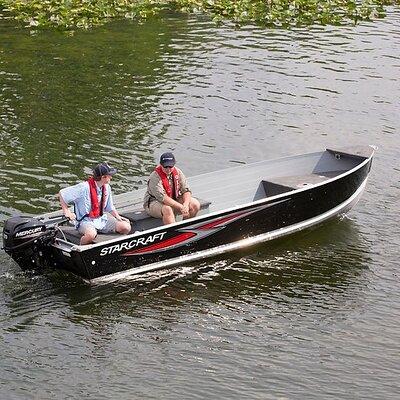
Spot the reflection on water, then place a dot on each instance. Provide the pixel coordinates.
(262, 299)
(326, 261)
(293, 318)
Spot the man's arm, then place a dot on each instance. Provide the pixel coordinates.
(66, 211)
(110, 207)
(186, 193)
(118, 217)
(186, 197)
(168, 201)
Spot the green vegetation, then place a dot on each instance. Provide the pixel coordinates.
(71, 14)
(291, 12)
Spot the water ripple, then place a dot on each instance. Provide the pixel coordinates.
(315, 314)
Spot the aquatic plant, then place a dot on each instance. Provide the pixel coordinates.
(71, 14)
(290, 12)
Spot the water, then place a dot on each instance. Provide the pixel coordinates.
(313, 316)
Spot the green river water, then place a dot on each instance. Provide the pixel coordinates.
(312, 316)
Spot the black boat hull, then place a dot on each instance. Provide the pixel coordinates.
(213, 234)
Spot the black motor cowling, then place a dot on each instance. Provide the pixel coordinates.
(26, 239)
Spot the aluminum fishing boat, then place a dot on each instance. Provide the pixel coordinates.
(240, 207)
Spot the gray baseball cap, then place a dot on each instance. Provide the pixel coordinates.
(167, 160)
(103, 169)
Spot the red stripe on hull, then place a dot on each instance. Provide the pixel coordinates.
(164, 244)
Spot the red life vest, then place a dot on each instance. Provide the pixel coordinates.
(171, 192)
(97, 209)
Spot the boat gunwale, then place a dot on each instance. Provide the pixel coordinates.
(84, 248)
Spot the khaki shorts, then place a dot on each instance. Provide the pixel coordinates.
(110, 226)
(154, 209)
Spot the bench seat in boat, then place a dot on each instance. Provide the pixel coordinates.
(283, 184)
(139, 219)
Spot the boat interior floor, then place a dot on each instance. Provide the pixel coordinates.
(141, 221)
(230, 189)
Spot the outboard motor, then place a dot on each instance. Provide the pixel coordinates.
(26, 239)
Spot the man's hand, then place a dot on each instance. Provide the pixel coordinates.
(70, 215)
(185, 210)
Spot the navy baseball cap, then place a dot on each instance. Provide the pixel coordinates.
(167, 160)
(103, 169)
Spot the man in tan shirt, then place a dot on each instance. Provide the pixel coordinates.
(168, 193)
